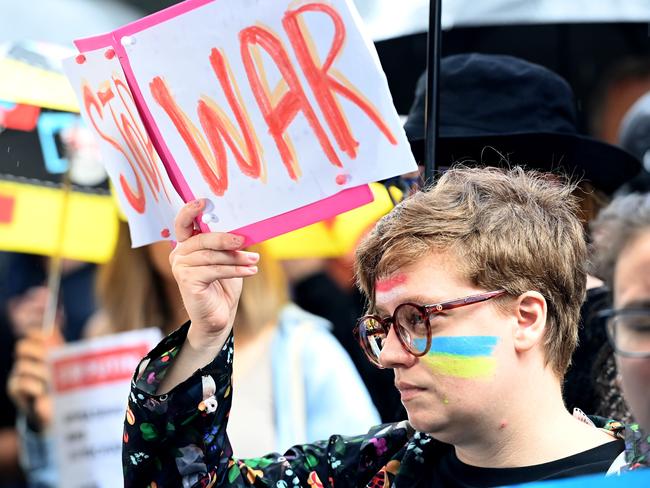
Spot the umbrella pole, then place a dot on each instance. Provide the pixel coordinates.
(54, 270)
(431, 114)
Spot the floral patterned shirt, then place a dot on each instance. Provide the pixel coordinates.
(179, 439)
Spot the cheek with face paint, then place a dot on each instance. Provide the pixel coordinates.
(470, 357)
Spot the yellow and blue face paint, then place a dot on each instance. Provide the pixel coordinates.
(460, 356)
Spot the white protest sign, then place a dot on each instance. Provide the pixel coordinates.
(267, 105)
(91, 383)
(272, 109)
(144, 190)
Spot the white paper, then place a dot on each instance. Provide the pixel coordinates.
(127, 151)
(178, 50)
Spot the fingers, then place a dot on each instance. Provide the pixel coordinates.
(29, 377)
(33, 348)
(189, 241)
(205, 266)
(31, 396)
(207, 257)
(184, 222)
(210, 274)
(216, 241)
(25, 314)
(21, 388)
(31, 369)
(38, 293)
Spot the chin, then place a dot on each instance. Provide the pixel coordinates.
(442, 424)
(423, 421)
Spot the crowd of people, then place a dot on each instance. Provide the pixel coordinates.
(498, 332)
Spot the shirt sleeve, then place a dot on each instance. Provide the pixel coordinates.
(179, 439)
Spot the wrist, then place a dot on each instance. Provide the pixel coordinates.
(205, 343)
(199, 349)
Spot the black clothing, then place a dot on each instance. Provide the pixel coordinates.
(453, 473)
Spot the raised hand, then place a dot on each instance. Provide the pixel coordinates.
(208, 269)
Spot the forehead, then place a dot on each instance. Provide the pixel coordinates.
(632, 273)
(434, 277)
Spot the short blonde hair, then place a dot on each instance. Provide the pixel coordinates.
(510, 229)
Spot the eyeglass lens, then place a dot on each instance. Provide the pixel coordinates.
(631, 332)
(412, 329)
(373, 337)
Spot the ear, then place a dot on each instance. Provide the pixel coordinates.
(530, 313)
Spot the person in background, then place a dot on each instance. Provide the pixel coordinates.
(136, 289)
(621, 241)
(284, 374)
(132, 293)
(23, 296)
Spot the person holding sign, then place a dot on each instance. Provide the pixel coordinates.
(474, 290)
(622, 254)
(136, 289)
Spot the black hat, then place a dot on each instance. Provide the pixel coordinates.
(497, 110)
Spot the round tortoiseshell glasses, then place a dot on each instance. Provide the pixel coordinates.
(412, 325)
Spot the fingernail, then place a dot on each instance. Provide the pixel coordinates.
(253, 257)
(252, 269)
(196, 203)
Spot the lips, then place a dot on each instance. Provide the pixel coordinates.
(408, 391)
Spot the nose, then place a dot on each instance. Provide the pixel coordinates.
(393, 354)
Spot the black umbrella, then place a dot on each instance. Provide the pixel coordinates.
(578, 43)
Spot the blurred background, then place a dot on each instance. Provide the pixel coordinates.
(603, 54)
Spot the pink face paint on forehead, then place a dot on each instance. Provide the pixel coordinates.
(390, 289)
(388, 284)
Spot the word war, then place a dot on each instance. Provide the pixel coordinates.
(279, 106)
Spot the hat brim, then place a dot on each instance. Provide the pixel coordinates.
(605, 166)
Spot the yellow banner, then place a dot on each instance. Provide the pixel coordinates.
(22, 83)
(30, 222)
(335, 237)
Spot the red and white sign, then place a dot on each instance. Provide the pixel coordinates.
(97, 368)
(91, 382)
